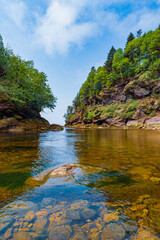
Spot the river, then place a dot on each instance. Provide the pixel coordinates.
(114, 193)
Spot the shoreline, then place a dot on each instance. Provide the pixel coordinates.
(152, 123)
(20, 125)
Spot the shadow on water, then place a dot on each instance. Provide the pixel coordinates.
(20, 158)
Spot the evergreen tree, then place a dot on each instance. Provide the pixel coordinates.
(2, 57)
(130, 38)
(139, 33)
(108, 63)
(93, 69)
(1, 42)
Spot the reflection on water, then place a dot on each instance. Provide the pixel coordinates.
(113, 194)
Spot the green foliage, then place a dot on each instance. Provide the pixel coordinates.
(139, 33)
(130, 38)
(140, 58)
(23, 83)
(69, 114)
(108, 63)
(111, 110)
(87, 88)
(120, 64)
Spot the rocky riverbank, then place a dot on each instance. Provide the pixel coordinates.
(132, 104)
(14, 118)
(152, 123)
(18, 124)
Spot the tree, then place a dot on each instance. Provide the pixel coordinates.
(108, 63)
(23, 83)
(2, 57)
(130, 38)
(139, 33)
(1, 42)
(120, 64)
(93, 69)
(70, 111)
(87, 89)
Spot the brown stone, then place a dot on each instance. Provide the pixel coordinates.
(144, 235)
(153, 122)
(21, 236)
(39, 224)
(113, 231)
(29, 216)
(42, 214)
(8, 233)
(111, 217)
(60, 233)
(56, 127)
(88, 213)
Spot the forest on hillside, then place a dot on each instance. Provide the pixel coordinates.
(139, 61)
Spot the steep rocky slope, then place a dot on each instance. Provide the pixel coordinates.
(125, 92)
(135, 103)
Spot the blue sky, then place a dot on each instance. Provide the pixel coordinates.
(65, 38)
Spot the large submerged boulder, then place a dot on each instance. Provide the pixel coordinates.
(66, 170)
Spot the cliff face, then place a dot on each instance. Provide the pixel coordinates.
(133, 103)
(10, 109)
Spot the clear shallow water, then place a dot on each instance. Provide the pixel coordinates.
(113, 194)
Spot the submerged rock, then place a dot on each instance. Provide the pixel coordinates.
(29, 216)
(88, 213)
(113, 231)
(18, 206)
(8, 233)
(79, 236)
(62, 171)
(111, 217)
(79, 204)
(40, 224)
(21, 236)
(3, 225)
(47, 201)
(155, 179)
(60, 233)
(73, 214)
(144, 235)
(42, 213)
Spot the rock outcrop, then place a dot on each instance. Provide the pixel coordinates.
(134, 103)
(19, 119)
(18, 124)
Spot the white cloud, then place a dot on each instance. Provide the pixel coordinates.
(61, 27)
(144, 19)
(68, 23)
(15, 10)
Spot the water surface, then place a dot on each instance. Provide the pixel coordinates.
(113, 194)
